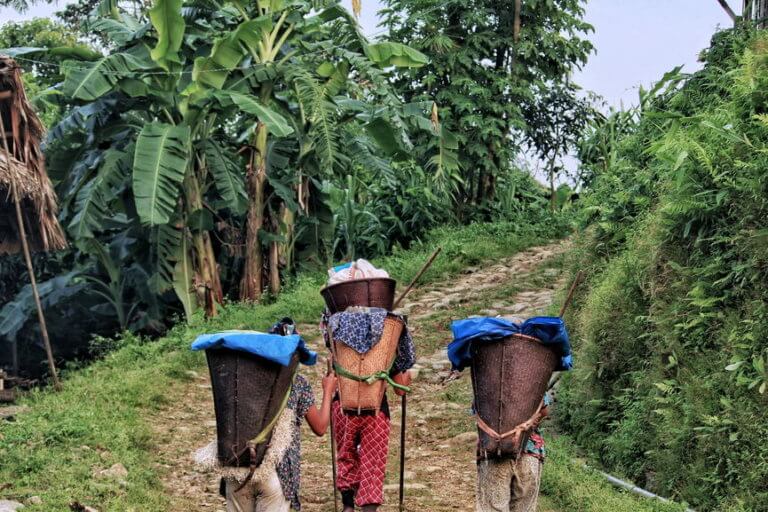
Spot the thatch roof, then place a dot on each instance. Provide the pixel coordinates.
(26, 169)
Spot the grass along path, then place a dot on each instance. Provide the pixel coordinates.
(440, 467)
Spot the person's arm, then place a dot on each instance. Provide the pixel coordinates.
(319, 418)
(404, 379)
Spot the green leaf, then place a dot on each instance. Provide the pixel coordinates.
(384, 135)
(90, 80)
(167, 19)
(284, 192)
(276, 123)
(159, 164)
(395, 54)
(227, 177)
(227, 52)
(93, 200)
(72, 52)
(183, 275)
(200, 220)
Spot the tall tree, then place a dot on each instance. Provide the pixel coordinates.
(555, 123)
(486, 60)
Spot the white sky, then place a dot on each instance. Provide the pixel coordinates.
(637, 41)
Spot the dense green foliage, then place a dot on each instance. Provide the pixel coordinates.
(489, 67)
(672, 361)
(210, 150)
(103, 414)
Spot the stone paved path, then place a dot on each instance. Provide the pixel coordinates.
(440, 435)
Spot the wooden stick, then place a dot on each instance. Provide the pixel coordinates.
(30, 268)
(418, 276)
(404, 404)
(555, 378)
(569, 297)
(333, 449)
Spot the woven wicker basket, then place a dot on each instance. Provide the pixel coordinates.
(359, 396)
(247, 394)
(509, 379)
(376, 292)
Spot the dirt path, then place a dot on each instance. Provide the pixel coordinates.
(440, 469)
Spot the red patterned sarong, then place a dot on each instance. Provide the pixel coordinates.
(362, 443)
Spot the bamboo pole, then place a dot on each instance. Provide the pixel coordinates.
(418, 276)
(30, 267)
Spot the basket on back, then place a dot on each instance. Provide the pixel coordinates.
(509, 379)
(249, 392)
(378, 292)
(357, 396)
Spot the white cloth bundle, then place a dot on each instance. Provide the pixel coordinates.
(360, 269)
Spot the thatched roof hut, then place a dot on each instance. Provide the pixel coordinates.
(24, 171)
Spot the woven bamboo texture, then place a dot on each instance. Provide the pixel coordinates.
(247, 394)
(509, 379)
(360, 396)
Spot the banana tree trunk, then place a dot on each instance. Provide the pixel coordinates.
(205, 259)
(288, 222)
(274, 268)
(251, 284)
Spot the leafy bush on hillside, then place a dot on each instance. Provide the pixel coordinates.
(671, 330)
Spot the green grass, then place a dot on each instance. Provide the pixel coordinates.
(54, 449)
(568, 485)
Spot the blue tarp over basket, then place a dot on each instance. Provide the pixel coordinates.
(550, 330)
(273, 347)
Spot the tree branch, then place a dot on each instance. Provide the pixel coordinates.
(724, 5)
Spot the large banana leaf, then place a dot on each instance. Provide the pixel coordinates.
(276, 123)
(90, 80)
(159, 165)
(183, 275)
(93, 199)
(167, 19)
(71, 52)
(395, 54)
(228, 51)
(227, 176)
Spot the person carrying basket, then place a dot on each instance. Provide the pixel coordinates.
(511, 364)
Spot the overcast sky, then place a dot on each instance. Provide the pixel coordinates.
(636, 41)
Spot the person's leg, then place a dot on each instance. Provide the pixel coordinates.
(374, 444)
(270, 496)
(347, 461)
(494, 485)
(525, 491)
(241, 501)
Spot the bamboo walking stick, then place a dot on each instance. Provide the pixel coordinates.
(30, 267)
(418, 276)
(404, 406)
(568, 299)
(333, 449)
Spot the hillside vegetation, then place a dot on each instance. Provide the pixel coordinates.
(672, 360)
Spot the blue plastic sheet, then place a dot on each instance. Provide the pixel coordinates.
(549, 330)
(273, 347)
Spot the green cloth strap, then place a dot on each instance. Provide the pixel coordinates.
(262, 436)
(370, 379)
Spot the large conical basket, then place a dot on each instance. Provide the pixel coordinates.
(509, 379)
(248, 393)
(359, 396)
(378, 292)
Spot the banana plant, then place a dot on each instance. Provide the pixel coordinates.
(207, 118)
